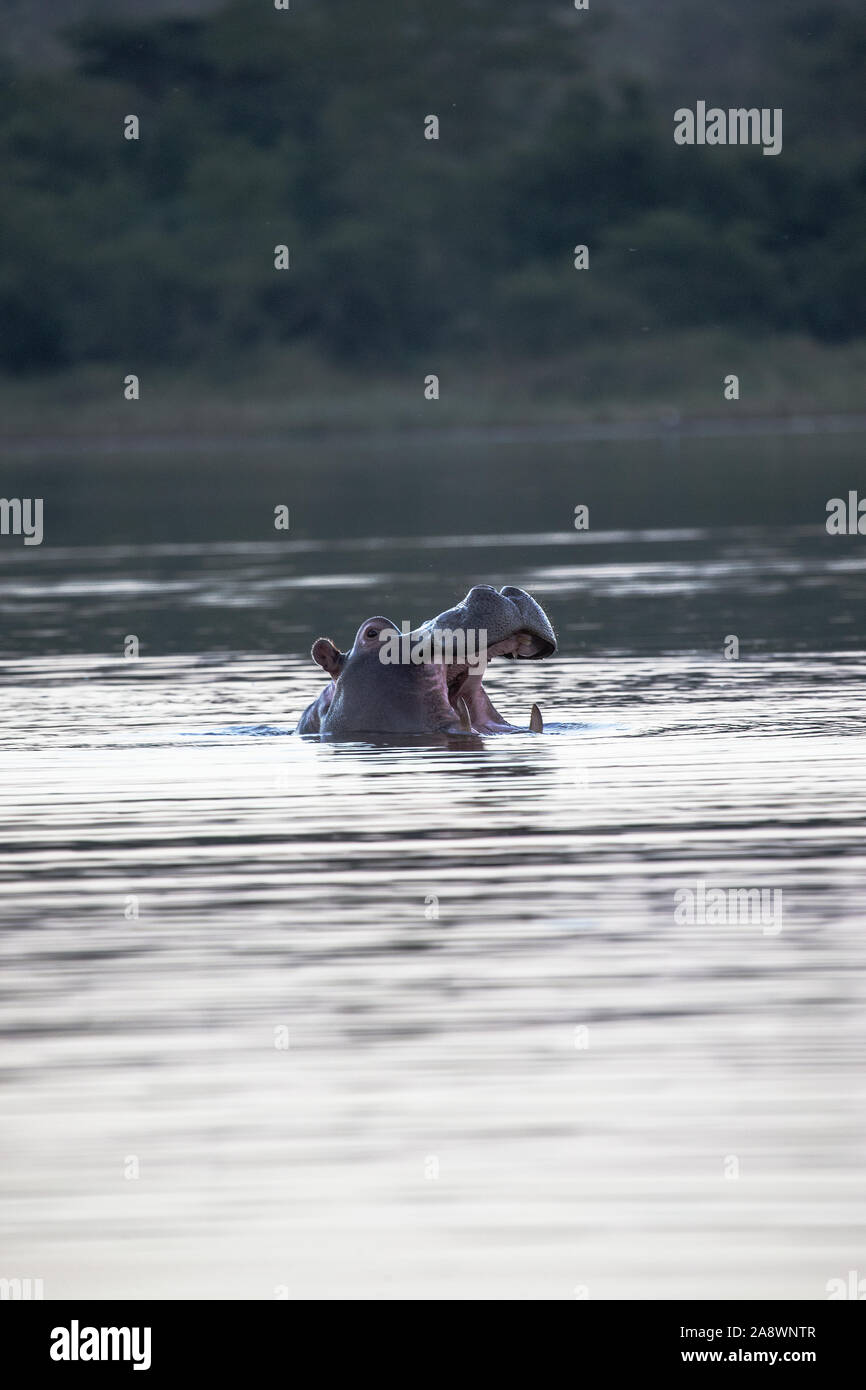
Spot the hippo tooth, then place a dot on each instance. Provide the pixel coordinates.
(463, 711)
(536, 723)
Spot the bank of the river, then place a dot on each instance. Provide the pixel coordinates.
(638, 389)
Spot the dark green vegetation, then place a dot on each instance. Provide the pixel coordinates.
(306, 128)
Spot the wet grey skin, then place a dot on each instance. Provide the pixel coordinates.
(366, 695)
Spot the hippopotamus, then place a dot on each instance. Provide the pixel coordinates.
(430, 679)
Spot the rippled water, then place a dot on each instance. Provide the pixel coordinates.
(510, 1069)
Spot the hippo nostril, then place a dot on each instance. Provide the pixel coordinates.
(371, 632)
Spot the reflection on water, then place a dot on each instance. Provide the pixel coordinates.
(421, 1020)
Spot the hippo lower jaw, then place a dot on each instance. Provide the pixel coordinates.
(465, 693)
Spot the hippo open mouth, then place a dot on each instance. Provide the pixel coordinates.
(530, 638)
(431, 678)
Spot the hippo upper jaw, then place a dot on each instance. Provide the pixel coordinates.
(503, 615)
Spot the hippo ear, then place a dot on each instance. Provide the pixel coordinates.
(328, 656)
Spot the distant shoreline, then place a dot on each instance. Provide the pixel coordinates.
(594, 432)
(670, 389)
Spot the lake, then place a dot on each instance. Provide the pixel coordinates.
(288, 1018)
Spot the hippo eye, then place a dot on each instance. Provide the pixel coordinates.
(371, 632)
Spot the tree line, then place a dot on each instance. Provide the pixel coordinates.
(307, 128)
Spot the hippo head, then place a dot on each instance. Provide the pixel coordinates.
(429, 680)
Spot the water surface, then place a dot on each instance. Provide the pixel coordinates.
(420, 1020)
